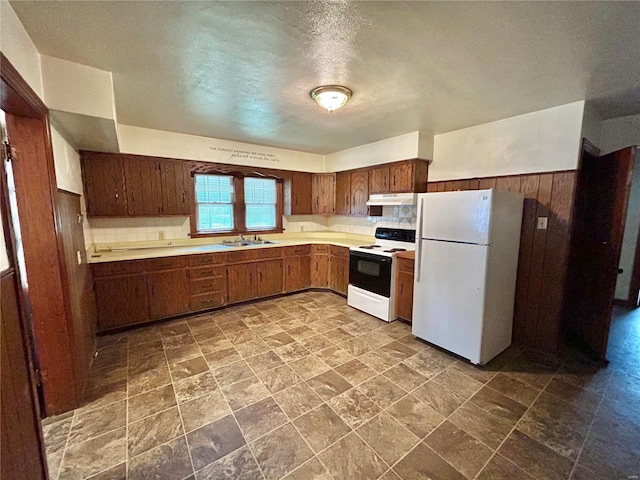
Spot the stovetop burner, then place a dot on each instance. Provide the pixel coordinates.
(394, 250)
(370, 247)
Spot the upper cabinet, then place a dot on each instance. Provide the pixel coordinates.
(400, 177)
(134, 186)
(323, 193)
(299, 194)
(352, 192)
(343, 193)
(380, 180)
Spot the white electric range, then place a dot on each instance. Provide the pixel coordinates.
(372, 272)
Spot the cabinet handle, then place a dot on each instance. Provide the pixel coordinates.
(401, 288)
(206, 301)
(116, 198)
(394, 180)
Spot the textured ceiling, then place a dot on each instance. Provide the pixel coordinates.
(243, 70)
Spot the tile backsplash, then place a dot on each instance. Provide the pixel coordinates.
(108, 230)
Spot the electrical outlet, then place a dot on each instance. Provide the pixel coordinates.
(160, 235)
(542, 223)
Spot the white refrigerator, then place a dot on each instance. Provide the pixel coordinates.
(467, 246)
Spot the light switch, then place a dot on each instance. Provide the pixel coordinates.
(542, 223)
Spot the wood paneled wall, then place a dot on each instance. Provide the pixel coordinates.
(542, 265)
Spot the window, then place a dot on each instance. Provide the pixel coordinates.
(215, 198)
(260, 202)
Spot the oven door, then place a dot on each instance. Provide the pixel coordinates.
(370, 272)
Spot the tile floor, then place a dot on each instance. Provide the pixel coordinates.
(304, 387)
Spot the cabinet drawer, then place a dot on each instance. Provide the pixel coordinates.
(166, 263)
(206, 259)
(271, 252)
(241, 256)
(208, 300)
(297, 250)
(320, 248)
(339, 251)
(207, 285)
(204, 272)
(405, 265)
(117, 268)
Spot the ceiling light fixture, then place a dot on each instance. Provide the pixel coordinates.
(331, 97)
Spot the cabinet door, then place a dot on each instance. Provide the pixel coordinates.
(269, 277)
(241, 283)
(404, 295)
(168, 293)
(103, 176)
(143, 185)
(297, 273)
(359, 192)
(339, 278)
(301, 193)
(177, 188)
(323, 193)
(121, 301)
(320, 271)
(379, 180)
(401, 177)
(343, 193)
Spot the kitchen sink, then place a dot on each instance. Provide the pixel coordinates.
(259, 242)
(247, 243)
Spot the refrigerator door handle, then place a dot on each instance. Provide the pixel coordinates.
(419, 240)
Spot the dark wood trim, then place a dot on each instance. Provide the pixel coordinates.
(17, 97)
(622, 303)
(493, 178)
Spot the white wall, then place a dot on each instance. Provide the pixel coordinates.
(630, 237)
(17, 46)
(542, 141)
(618, 133)
(144, 141)
(592, 125)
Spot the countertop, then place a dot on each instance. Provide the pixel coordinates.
(115, 252)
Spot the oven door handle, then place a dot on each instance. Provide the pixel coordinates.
(418, 265)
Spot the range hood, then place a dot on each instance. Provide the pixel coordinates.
(392, 199)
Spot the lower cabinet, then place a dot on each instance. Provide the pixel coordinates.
(297, 273)
(320, 266)
(241, 282)
(404, 288)
(122, 300)
(269, 278)
(339, 269)
(168, 293)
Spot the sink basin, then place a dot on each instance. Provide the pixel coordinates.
(247, 243)
(236, 244)
(259, 242)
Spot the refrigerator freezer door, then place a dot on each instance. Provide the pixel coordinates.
(457, 216)
(448, 301)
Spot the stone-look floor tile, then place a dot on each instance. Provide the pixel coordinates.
(438, 397)
(334, 356)
(382, 391)
(387, 437)
(183, 353)
(478, 372)
(390, 475)
(316, 343)
(292, 352)
(423, 463)
(417, 416)
(378, 360)
(264, 361)
(57, 418)
(397, 351)
(404, 376)
(563, 412)
(56, 434)
(176, 341)
(338, 335)
(153, 431)
(221, 358)
(552, 433)
(499, 468)
(279, 378)
(321, 427)
(312, 470)
(458, 382)
(203, 334)
(110, 357)
(103, 376)
(582, 473)
(354, 407)
(151, 402)
(101, 396)
(169, 460)
(238, 465)
(260, 418)
(585, 373)
(241, 336)
(497, 404)
(309, 366)
(296, 400)
(427, 365)
(396, 330)
(172, 329)
(514, 389)
(119, 472)
(203, 410)
(244, 393)
(329, 384)
(144, 335)
(232, 373)
(574, 395)
(352, 458)
(53, 464)
(376, 338)
(214, 345)
(535, 458)
(301, 332)
(280, 452)
(213, 441)
(461, 450)
(149, 380)
(267, 330)
(97, 422)
(251, 348)
(144, 363)
(278, 340)
(195, 386)
(138, 351)
(93, 456)
(188, 368)
(481, 424)
(356, 372)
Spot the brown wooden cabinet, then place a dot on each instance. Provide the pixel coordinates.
(339, 269)
(359, 192)
(404, 288)
(270, 280)
(297, 273)
(241, 282)
(177, 188)
(143, 186)
(122, 300)
(400, 177)
(323, 193)
(379, 178)
(103, 175)
(343, 193)
(300, 194)
(168, 293)
(320, 266)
